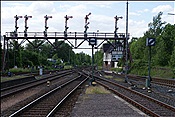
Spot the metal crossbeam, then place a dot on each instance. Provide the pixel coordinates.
(70, 35)
(77, 36)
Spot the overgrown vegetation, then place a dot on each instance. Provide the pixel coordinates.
(16, 70)
(162, 54)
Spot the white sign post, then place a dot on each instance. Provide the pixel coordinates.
(40, 71)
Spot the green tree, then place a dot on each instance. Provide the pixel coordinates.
(162, 53)
(172, 59)
(99, 58)
(156, 27)
(161, 57)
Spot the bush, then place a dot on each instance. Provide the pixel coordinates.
(173, 72)
(15, 70)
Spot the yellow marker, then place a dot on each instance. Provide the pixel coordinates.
(48, 83)
(149, 91)
(94, 83)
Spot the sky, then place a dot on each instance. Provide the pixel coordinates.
(102, 16)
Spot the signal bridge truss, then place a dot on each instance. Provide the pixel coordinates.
(78, 38)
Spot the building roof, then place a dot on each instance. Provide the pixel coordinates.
(107, 48)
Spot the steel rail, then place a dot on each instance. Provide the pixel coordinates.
(57, 106)
(11, 87)
(164, 82)
(27, 87)
(15, 114)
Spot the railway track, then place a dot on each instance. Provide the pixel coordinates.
(162, 93)
(145, 103)
(5, 92)
(159, 81)
(36, 73)
(47, 104)
(164, 82)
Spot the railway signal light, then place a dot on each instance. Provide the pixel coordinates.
(46, 27)
(89, 14)
(116, 28)
(86, 24)
(86, 18)
(117, 18)
(47, 17)
(16, 27)
(67, 17)
(66, 27)
(26, 18)
(17, 17)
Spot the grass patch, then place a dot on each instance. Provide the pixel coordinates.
(116, 69)
(163, 72)
(100, 68)
(15, 70)
(96, 90)
(3, 79)
(108, 76)
(119, 79)
(67, 67)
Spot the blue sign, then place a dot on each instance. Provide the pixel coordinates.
(150, 41)
(92, 41)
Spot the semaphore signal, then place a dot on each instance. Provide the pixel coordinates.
(26, 18)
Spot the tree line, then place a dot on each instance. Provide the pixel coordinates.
(34, 55)
(163, 53)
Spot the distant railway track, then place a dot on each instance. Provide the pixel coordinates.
(145, 103)
(47, 104)
(32, 73)
(24, 86)
(160, 81)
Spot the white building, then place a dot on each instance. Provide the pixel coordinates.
(111, 56)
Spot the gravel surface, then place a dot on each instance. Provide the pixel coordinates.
(104, 105)
(12, 100)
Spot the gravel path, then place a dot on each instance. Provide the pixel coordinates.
(104, 105)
